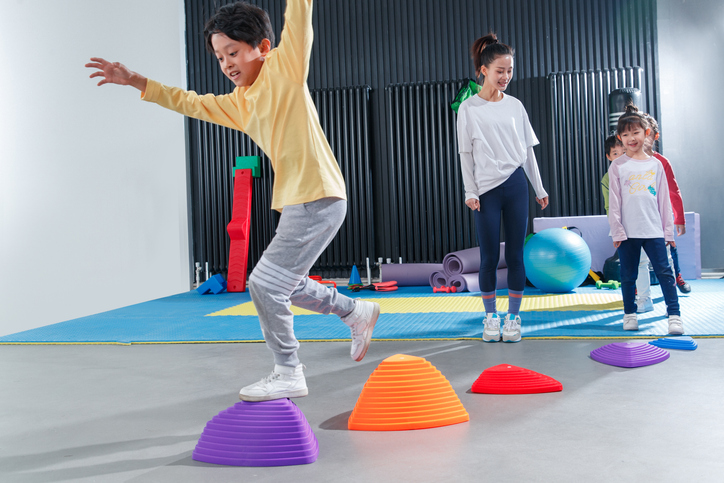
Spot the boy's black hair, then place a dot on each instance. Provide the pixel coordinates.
(486, 49)
(611, 142)
(632, 117)
(242, 22)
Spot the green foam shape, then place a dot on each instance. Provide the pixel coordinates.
(248, 162)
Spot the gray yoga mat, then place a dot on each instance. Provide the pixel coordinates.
(438, 279)
(409, 274)
(469, 282)
(468, 261)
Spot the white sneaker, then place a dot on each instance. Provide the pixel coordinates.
(491, 328)
(361, 323)
(511, 329)
(630, 322)
(284, 381)
(644, 305)
(676, 326)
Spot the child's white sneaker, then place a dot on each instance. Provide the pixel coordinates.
(361, 323)
(676, 326)
(284, 381)
(644, 305)
(491, 328)
(630, 322)
(511, 328)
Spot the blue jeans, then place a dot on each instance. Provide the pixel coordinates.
(508, 201)
(629, 253)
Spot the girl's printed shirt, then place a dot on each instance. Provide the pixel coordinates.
(639, 205)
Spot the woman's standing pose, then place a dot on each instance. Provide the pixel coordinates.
(496, 151)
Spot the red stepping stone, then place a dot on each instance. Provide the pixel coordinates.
(507, 379)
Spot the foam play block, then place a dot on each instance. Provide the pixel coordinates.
(238, 229)
(629, 354)
(215, 285)
(249, 162)
(508, 379)
(595, 232)
(406, 392)
(267, 433)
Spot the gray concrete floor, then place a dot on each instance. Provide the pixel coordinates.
(134, 413)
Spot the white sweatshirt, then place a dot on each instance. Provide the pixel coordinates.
(639, 204)
(495, 139)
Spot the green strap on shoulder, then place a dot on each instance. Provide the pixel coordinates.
(469, 89)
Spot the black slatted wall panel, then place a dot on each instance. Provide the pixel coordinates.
(381, 43)
(424, 172)
(579, 117)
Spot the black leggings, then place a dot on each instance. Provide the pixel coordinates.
(510, 200)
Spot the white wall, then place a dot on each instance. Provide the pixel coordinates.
(691, 71)
(93, 202)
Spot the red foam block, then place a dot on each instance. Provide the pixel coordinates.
(238, 229)
(507, 379)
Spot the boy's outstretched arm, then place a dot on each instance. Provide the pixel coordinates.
(116, 73)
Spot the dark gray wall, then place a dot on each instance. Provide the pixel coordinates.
(382, 42)
(691, 42)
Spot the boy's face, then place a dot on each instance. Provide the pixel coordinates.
(615, 153)
(237, 60)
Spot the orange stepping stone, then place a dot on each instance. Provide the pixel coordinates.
(403, 393)
(507, 379)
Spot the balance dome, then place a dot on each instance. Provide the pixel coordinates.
(509, 379)
(267, 433)
(403, 393)
(629, 354)
(556, 260)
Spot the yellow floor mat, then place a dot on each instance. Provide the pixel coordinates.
(424, 305)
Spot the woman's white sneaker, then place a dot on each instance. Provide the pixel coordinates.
(511, 328)
(284, 381)
(491, 328)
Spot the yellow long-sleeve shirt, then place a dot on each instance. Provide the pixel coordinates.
(277, 112)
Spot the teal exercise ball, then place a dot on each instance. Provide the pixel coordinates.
(556, 260)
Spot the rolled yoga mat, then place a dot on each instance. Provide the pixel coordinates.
(439, 279)
(409, 274)
(469, 282)
(468, 261)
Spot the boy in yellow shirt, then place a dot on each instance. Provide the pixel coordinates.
(272, 104)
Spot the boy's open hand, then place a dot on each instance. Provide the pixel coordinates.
(115, 73)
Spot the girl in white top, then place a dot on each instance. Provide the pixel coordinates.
(496, 142)
(640, 217)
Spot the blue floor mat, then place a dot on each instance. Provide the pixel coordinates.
(184, 318)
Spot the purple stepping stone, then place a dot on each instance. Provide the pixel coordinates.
(268, 433)
(629, 354)
(681, 342)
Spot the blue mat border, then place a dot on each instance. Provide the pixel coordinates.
(161, 321)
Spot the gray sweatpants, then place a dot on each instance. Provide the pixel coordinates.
(280, 278)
